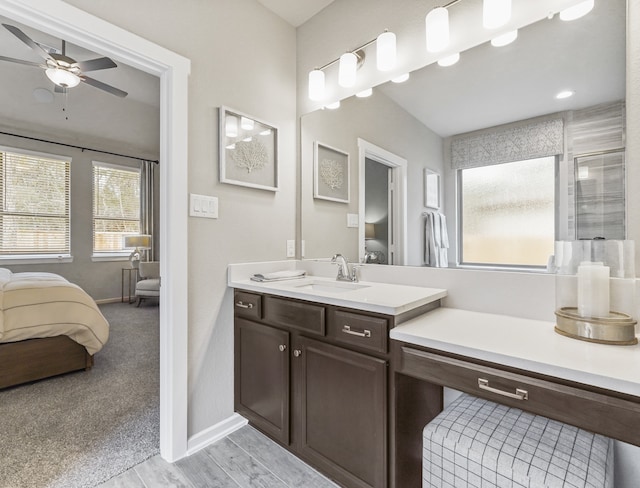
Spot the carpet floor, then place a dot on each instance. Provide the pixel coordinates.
(80, 429)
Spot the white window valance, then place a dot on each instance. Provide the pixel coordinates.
(508, 143)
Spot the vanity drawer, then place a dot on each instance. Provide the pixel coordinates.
(595, 411)
(247, 304)
(295, 315)
(359, 330)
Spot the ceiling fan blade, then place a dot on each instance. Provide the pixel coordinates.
(96, 64)
(103, 86)
(28, 41)
(22, 61)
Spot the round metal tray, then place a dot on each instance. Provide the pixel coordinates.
(617, 329)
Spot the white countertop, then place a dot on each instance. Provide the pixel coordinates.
(373, 297)
(525, 344)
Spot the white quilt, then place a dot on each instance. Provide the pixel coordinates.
(34, 305)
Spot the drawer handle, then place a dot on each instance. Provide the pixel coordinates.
(347, 330)
(520, 394)
(282, 347)
(244, 305)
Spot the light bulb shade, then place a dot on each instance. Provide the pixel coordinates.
(400, 79)
(246, 123)
(333, 105)
(437, 29)
(231, 126)
(347, 70)
(365, 93)
(577, 11)
(449, 60)
(137, 241)
(316, 85)
(504, 39)
(63, 78)
(369, 231)
(386, 51)
(495, 13)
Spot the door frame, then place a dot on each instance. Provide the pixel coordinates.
(60, 19)
(398, 198)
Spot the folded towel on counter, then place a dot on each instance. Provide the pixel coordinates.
(279, 275)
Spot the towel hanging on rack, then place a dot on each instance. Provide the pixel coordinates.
(436, 240)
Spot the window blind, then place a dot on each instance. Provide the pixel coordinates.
(116, 205)
(34, 214)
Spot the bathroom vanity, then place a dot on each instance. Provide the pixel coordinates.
(345, 376)
(314, 375)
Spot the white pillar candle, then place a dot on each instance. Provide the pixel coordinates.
(593, 289)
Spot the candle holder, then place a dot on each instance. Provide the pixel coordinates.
(595, 291)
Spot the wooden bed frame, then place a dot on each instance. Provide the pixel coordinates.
(35, 359)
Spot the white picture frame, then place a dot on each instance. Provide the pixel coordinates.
(431, 189)
(248, 150)
(331, 178)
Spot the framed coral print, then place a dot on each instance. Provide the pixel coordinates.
(330, 173)
(248, 151)
(431, 189)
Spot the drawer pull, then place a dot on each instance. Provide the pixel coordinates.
(244, 305)
(297, 353)
(282, 347)
(520, 394)
(347, 330)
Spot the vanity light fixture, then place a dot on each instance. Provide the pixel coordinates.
(495, 13)
(386, 51)
(505, 39)
(400, 79)
(350, 61)
(449, 60)
(579, 10)
(365, 93)
(347, 70)
(333, 106)
(316, 85)
(437, 29)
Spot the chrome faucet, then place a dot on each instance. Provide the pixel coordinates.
(344, 273)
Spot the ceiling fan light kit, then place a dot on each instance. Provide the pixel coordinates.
(63, 71)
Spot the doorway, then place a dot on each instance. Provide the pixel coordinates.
(60, 19)
(382, 202)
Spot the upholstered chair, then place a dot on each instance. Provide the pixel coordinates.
(149, 284)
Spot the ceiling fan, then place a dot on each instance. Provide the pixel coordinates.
(64, 71)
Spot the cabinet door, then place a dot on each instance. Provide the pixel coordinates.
(262, 377)
(341, 413)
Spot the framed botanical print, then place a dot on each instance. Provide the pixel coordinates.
(330, 173)
(248, 151)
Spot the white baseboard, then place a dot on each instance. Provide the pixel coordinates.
(104, 301)
(215, 433)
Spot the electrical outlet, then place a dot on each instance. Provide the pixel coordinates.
(291, 248)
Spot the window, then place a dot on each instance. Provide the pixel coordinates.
(34, 214)
(508, 213)
(116, 206)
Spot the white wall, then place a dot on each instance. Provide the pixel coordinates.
(242, 56)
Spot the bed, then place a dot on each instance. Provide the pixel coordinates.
(48, 326)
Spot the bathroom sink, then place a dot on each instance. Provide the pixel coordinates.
(330, 286)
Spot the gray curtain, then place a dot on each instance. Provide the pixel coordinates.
(147, 171)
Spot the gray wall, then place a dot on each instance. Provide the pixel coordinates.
(242, 56)
(101, 280)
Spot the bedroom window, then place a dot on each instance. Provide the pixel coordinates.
(116, 206)
(34, 213)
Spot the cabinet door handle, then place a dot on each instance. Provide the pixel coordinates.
(244, 305)
(520, 394)
(282, 347)
(297, 353)
(347, 330)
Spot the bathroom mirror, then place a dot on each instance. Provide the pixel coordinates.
(488, 87)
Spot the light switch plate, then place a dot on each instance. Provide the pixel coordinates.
(291, 248)
(352, 220)
(203, 206)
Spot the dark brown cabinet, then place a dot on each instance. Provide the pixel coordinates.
(314, 377)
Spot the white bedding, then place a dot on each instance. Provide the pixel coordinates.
(34, 305)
